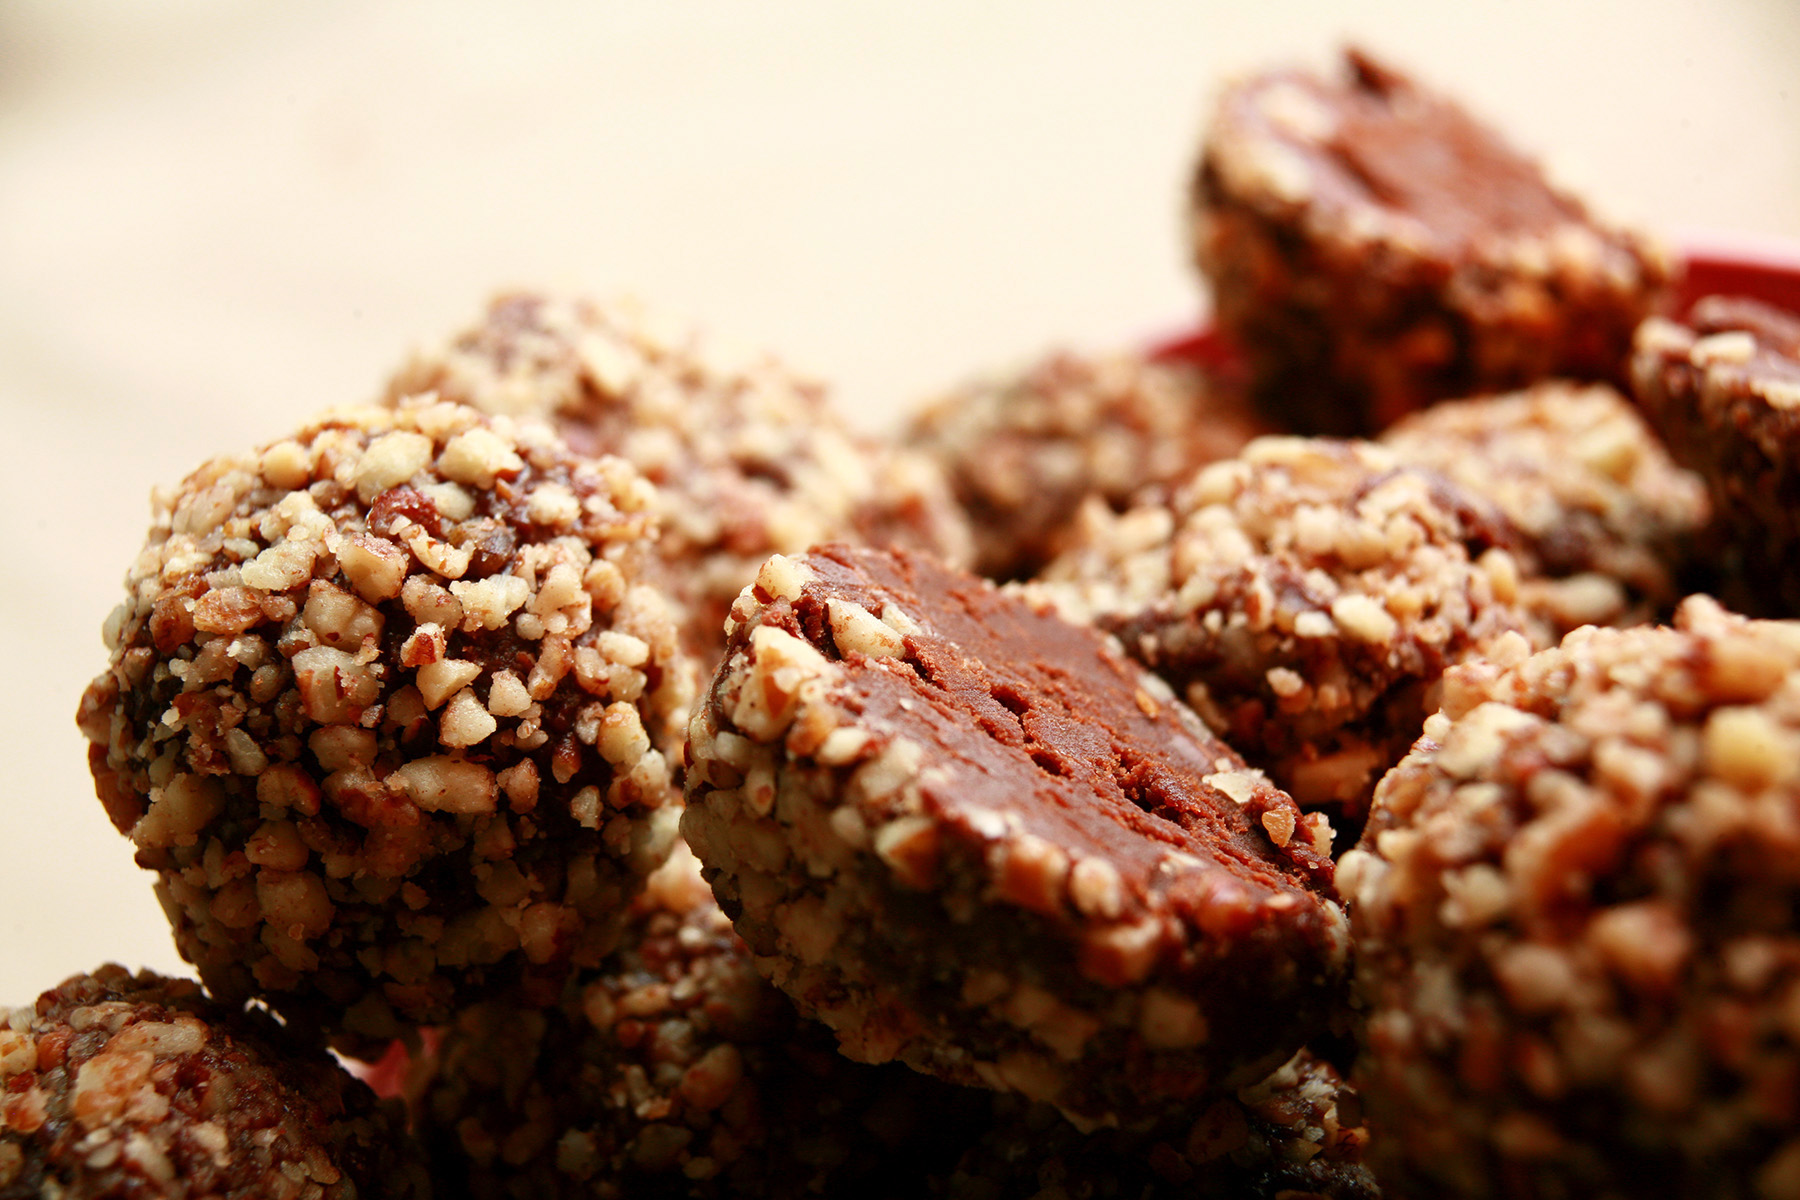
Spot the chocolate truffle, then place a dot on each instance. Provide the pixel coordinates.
(974, 837)
(1297, 1135)
(1372, 248)
(1023, 450)
(1608, 523)
(1723, 389)
(392, 713)
(1304, 598)
(749, 456)
(117, 1085)
(1574, 910)
(676, 1070)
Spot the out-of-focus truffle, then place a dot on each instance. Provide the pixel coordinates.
(139, 1087)
(1723, 390)
(675, 1070)
(1372, 248)
(1022, 451)
(1297, 1135)
(749, 457)
(392, 713)
(1607, 522)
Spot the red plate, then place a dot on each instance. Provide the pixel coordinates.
(1760, 269)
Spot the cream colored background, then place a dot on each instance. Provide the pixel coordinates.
(219, 215)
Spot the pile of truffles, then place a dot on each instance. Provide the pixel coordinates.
(1317, 766)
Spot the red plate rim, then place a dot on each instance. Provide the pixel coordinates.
(1762, 268)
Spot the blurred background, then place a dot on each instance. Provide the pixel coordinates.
(218, 216)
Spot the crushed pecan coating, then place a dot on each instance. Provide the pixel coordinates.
(392, 714)
(676, 1070)
(139, 1087)
(1304, 598)
(1023, 450)
(1607, 522)
(749, 457)
(1373, 248)
(1574, 912)
(974, 837)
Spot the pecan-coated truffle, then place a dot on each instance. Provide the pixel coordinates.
(1574, 918)
(137, 1087)
(749, 456)
(975, 837)
(392, 712)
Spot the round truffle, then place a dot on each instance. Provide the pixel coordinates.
(1304, 598)
(1607, 522)
(750, 458)
(1723, 390)
(1023, 450)
(1574, 911)
(676, 1071)
(117, 1085)
(972, 836)
(1373, 248)
(392, 714)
